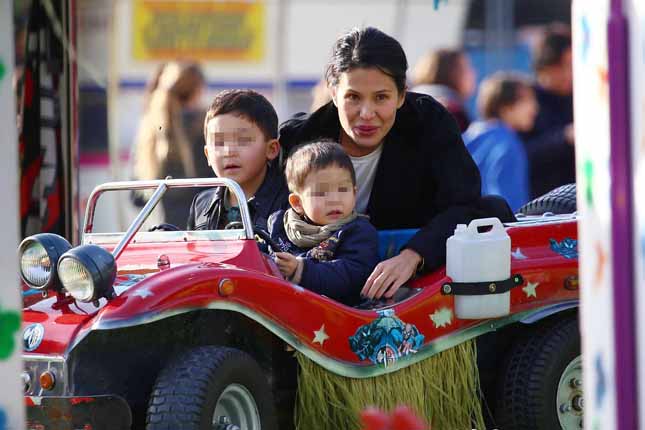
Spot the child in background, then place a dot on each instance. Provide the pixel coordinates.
(507, 105)
(325, 246)
(241, 130)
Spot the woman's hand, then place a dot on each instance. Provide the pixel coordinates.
(389, 275)
(287, 263)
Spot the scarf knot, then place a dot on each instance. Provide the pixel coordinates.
(307, 235)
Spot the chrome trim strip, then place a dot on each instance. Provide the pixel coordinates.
(350, 370)
(43, 357)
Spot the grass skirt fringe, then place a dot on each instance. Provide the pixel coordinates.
(443, 390)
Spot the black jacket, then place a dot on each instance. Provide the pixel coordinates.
(273, 194)
(552, 161)
(339, 266)
(425, 178)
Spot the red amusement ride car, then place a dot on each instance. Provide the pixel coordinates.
(131, 317)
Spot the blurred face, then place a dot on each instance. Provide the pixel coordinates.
(196, 101)
(327, 196)
(559, 77)
(520, 115)
(367, 100)
(467, 78)
(237, 149)
(565, 78)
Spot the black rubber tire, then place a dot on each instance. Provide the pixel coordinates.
(186, 391)
(562, 200)
(529, 381)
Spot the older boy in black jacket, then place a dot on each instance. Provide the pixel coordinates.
(241, 130)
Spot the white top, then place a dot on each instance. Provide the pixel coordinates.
(365, 168)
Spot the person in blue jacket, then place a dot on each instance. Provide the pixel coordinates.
(507, 104)
(325, 246)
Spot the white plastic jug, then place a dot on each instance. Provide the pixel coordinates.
(472, 256)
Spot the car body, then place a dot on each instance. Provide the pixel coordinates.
(176, 290)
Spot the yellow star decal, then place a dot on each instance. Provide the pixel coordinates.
(530, 289)
(320, 336)
(441, 317)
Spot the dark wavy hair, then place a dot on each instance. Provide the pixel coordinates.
(367, 48)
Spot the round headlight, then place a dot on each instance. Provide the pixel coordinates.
(38, 257)
(76, 279)
(87, 272)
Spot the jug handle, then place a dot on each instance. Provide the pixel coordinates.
(495, 223)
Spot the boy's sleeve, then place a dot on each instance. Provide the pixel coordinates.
(343, 277)
(190, 225)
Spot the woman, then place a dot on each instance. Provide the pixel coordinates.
(164, 144)
(448, 76)
(507, 105)
(412, 168)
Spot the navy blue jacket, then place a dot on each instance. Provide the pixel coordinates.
(273, 194)
(552, 161)
(340, 265)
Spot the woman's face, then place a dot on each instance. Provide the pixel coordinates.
(367, 100)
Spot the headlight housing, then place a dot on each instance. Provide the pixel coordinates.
(87, 273)
(38, 256)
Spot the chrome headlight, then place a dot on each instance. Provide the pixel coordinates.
(38, 257)
(88, 272)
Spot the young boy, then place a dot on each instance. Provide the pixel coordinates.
(325, 246)
(241, 130)
(507, 105)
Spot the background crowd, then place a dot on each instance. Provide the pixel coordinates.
(520, 136)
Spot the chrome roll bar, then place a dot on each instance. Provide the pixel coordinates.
(161, 186)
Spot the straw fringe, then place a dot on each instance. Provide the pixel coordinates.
(443, 389)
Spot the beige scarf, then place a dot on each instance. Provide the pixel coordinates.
(306, 235)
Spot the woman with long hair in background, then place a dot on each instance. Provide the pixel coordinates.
(163, 146)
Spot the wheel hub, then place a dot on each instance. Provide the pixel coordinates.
(235, 410)
(569, 397)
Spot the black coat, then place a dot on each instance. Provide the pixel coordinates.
(425, 178)
(552, 161)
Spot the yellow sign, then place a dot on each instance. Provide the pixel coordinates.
(201, 30)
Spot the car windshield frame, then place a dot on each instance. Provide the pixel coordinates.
(161, 186)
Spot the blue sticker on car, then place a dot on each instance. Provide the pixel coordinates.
(386, 339)
(568, 248)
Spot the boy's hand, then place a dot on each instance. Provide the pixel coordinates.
(287, 263)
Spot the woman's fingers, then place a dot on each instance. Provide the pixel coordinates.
(388, 276)
(395, 286)
(370, 280)
(377, 282)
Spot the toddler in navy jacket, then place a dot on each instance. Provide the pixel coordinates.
(324, 245)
